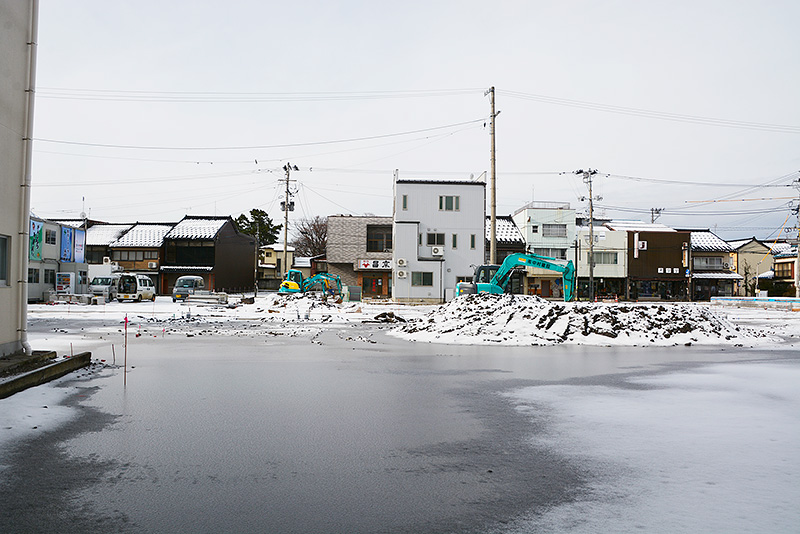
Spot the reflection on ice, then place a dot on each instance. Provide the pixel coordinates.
(713, 450)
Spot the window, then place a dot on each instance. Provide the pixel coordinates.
(472, 241)
(435, 240)
(455, 240)
(420, 239)
(448, 203)
(83, 277)
(605, 258)
(557, 253)
(33, 275)
(50, 276)
(405, 202)
(4, 246)
(421, 278)
(534, 228)
(151, 254)
(783, 270)
(701, 263)
(50, 236)
(463, 279)
(379, 238)
(554, 230)
(137, 255)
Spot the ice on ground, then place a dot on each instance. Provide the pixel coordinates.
(530, 320)
(710, 450)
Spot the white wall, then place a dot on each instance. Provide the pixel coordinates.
(16, 65)
(526, 219)
(422, 215)
(605, 241)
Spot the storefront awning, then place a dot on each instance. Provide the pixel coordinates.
(186, 269)
(717, 275)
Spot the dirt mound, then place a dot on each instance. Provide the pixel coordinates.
(527, 320)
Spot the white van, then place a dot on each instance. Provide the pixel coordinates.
(136, 287)
(105, 286)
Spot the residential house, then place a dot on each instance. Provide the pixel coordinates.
(359, 251)
(141, 250)
(98, 238)
(751, 259)
(56, 260)
(270, 265)
(438, 237)
(549, 230)
(782, 284)
(610, 255)
(658, 260)
(18, 43)
(713, 268)
(210, 247)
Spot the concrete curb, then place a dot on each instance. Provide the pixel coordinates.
(44, 374)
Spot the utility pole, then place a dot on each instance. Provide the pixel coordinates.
(288, 206)
(587, 179)
(797, 247)
(655, 213)
(493, 185)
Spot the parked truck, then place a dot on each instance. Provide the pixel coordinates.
(495, 278)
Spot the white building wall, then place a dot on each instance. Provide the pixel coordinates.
(419, 214)
(530, 221)
(605, 240)
(17, 67)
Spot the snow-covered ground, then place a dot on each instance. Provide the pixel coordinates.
(710, 449)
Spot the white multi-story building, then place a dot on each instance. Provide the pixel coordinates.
(438, 237)
(610, 253)
(549, 230)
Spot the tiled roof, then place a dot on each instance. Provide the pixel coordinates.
(197, 228)
(739, 243)
(143, 235)
(709, 242)
(105, 234)
(507, 232)
(637, 226)
(780, 248)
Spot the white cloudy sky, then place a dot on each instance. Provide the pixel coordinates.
(211, 99)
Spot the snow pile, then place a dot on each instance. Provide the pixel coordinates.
(530, 320)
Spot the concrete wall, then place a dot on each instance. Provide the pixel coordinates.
(17, 68)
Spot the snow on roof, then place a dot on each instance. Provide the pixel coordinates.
(780, 248)
(709, 242)
(302, 262)
(739, 243)
(197, 228)
(278, 247)
(637, 226)
(507, 231)
(105, 234)
(144, 235)
(718, 275)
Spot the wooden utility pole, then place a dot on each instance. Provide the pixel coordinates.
(587, 179)
(492, 186)
(288, 206)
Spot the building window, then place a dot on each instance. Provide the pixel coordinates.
(463, 279)
(534, 228)
(783, 270)
(83, 277)
(472, 241)
(435, 240)
(557, 253)
(4, 245)
(449, 203)
(405, 202)
(33, 275)
(455, 241)
(709, 263)
(50, 276)
(605, 258)
(151, 254)
(379, 238)
(49, 236)
(419, 278)
(420, 239)
(554, 230)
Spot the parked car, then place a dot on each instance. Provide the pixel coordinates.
(135, 287)
(187, 285)
(105, 286)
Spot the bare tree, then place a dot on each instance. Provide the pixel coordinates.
(310, 236)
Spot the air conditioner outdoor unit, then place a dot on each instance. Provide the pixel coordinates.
(726, 266)
(401, 274)
(401, 262)
(152, 264)
(437, 251)
(106, 260)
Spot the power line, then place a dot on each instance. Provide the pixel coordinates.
(651, 114)
(254, 147)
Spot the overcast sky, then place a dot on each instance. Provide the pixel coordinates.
(150, 110)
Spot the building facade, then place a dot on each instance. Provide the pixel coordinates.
(141, 250)
(751, 259)
(17, 85)
(610, 254)
(56, 260)
(713, 267)
(438, 237)
(359, 251)
(270, 265)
